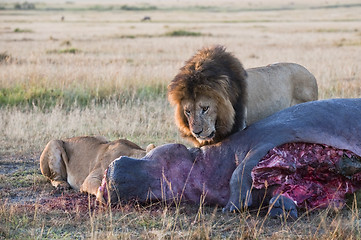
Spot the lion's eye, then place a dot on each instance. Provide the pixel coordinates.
(205, 109)
(187, 112)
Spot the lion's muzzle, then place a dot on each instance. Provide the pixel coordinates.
(205, 138)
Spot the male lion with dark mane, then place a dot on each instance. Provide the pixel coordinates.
(214, 96)
(80, 162)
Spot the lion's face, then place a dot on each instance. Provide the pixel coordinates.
(201, 115)
(206, 94)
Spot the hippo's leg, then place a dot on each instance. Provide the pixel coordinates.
(241, 180)
(283, 207)
(240, 188)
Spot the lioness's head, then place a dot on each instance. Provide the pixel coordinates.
(205, 93)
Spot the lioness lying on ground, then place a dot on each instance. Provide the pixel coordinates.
(80, 162)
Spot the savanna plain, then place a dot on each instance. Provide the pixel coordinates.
(100, 70)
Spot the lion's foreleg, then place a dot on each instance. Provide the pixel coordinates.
(93, 181)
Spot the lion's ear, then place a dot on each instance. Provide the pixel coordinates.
(244, 73)
(225, 117)
(224, 81)
(175, 96)
(226, 90)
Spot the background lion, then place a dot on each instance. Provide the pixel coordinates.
(80, 162)
(214, 96)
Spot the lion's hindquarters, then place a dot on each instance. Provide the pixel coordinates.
(268, 92)
(53, 165)
(305, 87)
(276, 87)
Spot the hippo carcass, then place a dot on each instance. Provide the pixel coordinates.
(222, 173)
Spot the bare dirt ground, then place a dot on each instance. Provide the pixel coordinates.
(24, 183)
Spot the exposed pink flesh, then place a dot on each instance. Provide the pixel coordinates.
(307, 173)
(103, 186)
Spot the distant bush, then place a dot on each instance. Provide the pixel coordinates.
(136, 8)
(4, 57)
(101, 8)
(127, 36)
(24, 6)
(19, 30)
(180, 33)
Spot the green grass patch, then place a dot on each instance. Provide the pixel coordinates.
(25, 178)
(22, 177)
(134, 36)
(182, 33)
(45, 98)
(335, 30)
(66, 50)
(151, 91)
(19, 96)
(19, 30)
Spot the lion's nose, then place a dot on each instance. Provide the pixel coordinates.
(197, 132)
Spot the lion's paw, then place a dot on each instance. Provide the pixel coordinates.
(60, 185)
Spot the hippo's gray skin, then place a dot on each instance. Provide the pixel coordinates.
(172, 171)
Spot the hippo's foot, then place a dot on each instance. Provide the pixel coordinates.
(231, 207)
(282, 207)
(238, 203)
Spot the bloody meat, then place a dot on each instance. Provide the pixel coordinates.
(312, 175)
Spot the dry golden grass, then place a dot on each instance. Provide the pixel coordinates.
(326, 41)
(24, 131)
(115, 52)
